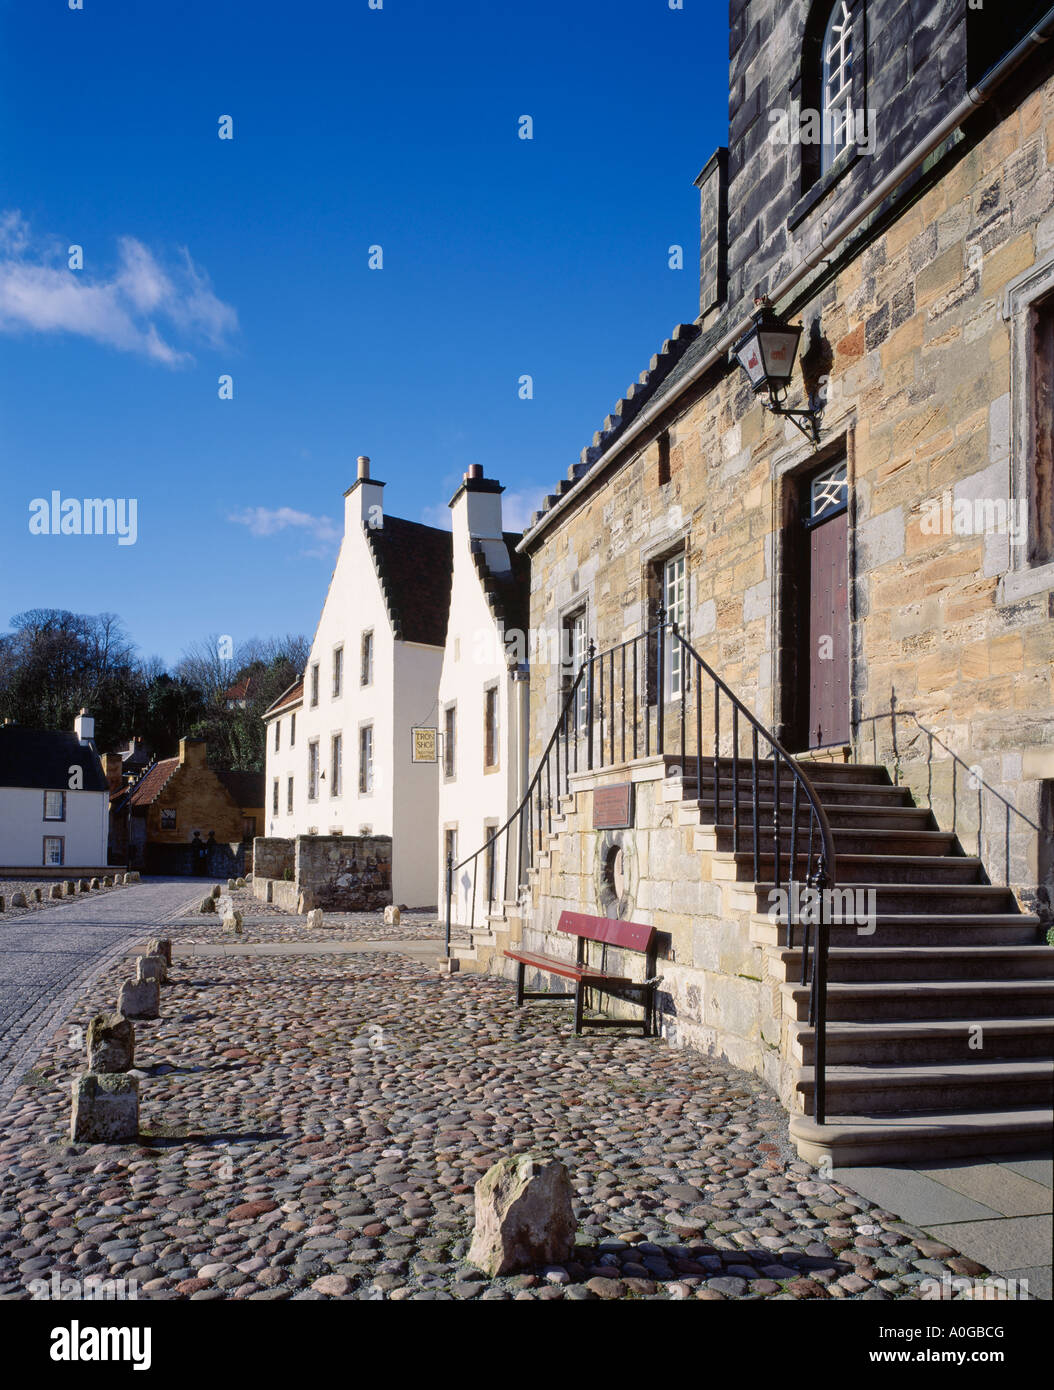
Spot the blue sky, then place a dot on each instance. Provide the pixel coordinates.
(352, 127)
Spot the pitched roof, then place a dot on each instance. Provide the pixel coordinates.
(292, 695)
(661, 381)
(239, 690)
(246, 788)
(508, 595)
(414, 564)
(152, 783)
(43, 758)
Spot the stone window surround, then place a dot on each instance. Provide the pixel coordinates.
(171, 812)
(312, 744)
(336, 764)
(653, 557)
(368, 791)
(62, 813)
(289, 796)
(313, 684)
(806, 88)
(274, 796)
(450, 744)
(492, 685)
(338, 670)
(366, 646)
(62, 851)
(1020, 578)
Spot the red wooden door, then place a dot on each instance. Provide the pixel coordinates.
(828, 658)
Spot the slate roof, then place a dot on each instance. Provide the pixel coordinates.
(509, 594)
(415, 565)
(43, 758)
(246, 788)
(667, 369)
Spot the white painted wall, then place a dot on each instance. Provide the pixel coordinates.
(474, 657)
(403, 801)
(23, 827)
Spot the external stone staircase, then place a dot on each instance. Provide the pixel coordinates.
(940, 1032)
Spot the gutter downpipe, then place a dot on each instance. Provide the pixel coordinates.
(975, 97)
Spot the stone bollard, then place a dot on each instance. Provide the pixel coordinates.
(119, 878)
(314, 919)
(305, 902)
(231, 885)
(132, 877)
(82, 885)
(524, 1216)
(56, 891)
(105, 1109)
(392, 915)
(232, 922)
(94, 883)
(18, 900)
(208, 904)
(139, 999)
(151, 968)
(38, 895)
(161, 946)
(68, 888)
(243, 882)
(215, 890)
(111, 1044)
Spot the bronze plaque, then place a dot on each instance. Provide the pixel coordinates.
(613, 807)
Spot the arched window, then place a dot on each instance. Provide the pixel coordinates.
(836, 84)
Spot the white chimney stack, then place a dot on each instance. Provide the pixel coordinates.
(84, 727)
(364, 500)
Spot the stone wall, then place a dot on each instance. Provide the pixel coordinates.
(349, 873)
(273, 857)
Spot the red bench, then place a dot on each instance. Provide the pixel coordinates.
(602, 931)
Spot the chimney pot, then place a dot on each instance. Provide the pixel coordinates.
(475, 470)
(364, 466)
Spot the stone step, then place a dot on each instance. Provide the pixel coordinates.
(830, 793)
(853, 869)
(850, 1140)
(847, 840)
(875, 774)
(863, 963)
(893, 899)
(885, 1002)
(939, 1040)
(948, 1086)
(840, 817)
(945, 930)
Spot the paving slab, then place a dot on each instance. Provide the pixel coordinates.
(1012, 1243)
(1038, 1278)
(1038, 1169)
(919, 1199)
(994, 1185)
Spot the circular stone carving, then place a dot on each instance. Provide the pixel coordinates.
(615, 873)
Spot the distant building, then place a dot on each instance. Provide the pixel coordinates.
(339, 759)
(482, 698)
(154, 818)
(53, 799)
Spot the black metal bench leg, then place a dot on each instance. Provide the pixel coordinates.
(580, 991)
(520, 970)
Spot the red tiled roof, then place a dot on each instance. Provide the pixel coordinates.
(294, 695)
(152, 783)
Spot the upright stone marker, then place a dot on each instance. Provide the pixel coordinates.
(161, 946)
(111, 1044)
(524, 1216)
(314, 919)
(18, 900)
(139, 999)
(151, 968)
(105, 1109)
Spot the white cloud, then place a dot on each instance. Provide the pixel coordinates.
(268, 521)
(40, 294)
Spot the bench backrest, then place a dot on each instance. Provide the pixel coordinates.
(633, 936)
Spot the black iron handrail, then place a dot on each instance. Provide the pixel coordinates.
(655, 672)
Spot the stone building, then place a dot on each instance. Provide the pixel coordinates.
(340, 742)
(483, 713)
(881, 600)
(153, 819)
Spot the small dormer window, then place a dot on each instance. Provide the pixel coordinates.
(836, 88)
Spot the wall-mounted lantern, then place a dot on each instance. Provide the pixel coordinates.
(766, 353)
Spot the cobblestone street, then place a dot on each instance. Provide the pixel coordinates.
(312, 1126)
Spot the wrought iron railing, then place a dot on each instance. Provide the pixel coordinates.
(653, 694)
